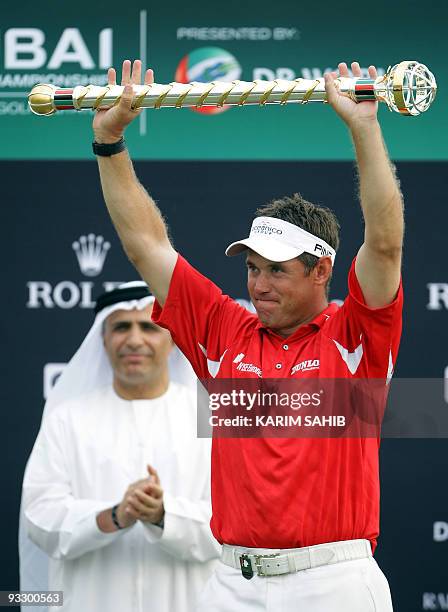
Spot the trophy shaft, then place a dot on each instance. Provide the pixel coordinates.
(201, 94)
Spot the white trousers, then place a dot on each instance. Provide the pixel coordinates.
(348, 586)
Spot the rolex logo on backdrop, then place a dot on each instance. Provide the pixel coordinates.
(437, 296)
(90, 254)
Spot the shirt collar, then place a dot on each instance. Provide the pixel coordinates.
(304, 329)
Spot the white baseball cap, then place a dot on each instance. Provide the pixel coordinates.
(278, 240)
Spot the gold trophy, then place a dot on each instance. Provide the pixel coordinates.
(408, 88)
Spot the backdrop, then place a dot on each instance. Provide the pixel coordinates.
(209, 172)
(48, 300)
(202, 42)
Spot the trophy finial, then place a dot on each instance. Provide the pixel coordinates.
(408, 88)
(41, 98)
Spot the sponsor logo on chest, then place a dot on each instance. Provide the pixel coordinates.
(246, 367)
(305, 366)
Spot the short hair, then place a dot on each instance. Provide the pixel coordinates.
(318, 220)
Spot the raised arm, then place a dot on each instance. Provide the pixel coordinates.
(134, 213)
(378, 262)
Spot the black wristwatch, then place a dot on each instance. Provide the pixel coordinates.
(106, 150)
(161, 523)
(114, 517)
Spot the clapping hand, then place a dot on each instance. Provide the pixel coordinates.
(143, 500)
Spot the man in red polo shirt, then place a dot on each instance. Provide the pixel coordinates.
(298, 517)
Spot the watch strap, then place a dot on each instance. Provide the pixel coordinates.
(114, 517)
(108, 149)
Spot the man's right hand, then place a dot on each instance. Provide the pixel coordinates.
(109, 124)
(125, 510)
(134, 213)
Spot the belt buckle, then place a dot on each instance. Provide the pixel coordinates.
(246, 567)
(259, 563)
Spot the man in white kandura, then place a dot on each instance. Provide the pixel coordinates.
(116, 490)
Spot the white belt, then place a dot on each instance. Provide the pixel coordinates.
(274, 562)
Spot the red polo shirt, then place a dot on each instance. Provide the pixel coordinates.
(284, 492)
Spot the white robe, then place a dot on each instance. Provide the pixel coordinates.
(87, 453)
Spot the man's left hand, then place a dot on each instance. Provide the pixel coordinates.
(146, 502)
(352, 113)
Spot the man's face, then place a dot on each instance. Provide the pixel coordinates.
(137, 348)
(283, 295)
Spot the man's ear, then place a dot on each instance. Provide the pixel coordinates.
(322, 271)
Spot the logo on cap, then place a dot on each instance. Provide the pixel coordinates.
(323, 251)
(265, 228)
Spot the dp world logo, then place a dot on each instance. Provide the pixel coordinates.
(205, 65)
